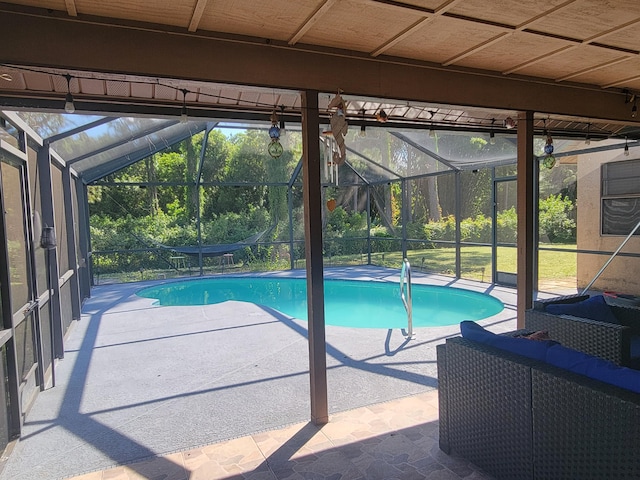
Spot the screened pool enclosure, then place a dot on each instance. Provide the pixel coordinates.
(170, 198)
(91, 199)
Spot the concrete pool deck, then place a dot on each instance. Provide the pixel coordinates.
(139, 381)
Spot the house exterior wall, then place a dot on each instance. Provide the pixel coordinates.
(623, 273)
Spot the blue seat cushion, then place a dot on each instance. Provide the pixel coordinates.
(593, 308)
(534, 349)
(594, 367)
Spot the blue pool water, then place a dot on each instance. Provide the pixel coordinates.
(348, 303)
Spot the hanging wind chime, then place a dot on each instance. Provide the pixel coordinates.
(275, 147)
(549, 160)
(335, 151)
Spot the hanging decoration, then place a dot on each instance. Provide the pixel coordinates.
(331, 205)
(275, 147)
(382, 116)
(335, 150)
(330, 151)
(549, 160)
(339, 127)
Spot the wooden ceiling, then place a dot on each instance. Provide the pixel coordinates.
(590, 43)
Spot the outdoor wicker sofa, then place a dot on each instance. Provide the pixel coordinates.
(617, 342)
(520, 418)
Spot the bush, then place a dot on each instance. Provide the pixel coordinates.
(556, 222)
(508, 226)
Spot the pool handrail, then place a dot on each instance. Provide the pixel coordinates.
(405, 282)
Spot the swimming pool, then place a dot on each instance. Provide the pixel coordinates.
(348, 303)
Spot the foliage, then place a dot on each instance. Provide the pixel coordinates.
(155, 202)
(556, 220)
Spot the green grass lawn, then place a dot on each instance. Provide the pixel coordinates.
(475, 262)
(554, 267)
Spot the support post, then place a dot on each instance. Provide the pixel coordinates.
(72, 233)
(312, 196)
(404, 216)
(85, 269)
(198, 180)
(526, 209)
(458, 217)
(53, 275)
(368, 224)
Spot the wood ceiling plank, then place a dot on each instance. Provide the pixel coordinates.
(593, 39)
(446, 37)
(401, 36)
(521, 45)
(502, 36)
(544, 15)
(440, 9)
(523, 17)
(476, 48)
(273, 20)
(588, 18)
(600, 66)
(612, 75)
(571, 61)
(539, 58)
(311, 21)
(71, 8)
(506, 12)
(198, 10)
(623, 82)
(437, 11)
(162, 12)
(349, 24)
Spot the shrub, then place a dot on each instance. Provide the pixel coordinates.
(556, 222)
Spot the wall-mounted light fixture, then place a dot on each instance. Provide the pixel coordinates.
(48, 238)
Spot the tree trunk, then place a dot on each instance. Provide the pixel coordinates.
(435, 214)
(150, 165)
(192, 187)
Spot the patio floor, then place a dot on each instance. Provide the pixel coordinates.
(222, 391)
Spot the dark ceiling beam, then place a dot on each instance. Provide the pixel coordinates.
(119, 107)
(49, 40)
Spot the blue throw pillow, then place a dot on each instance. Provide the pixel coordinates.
(594, 367)
(593, 308)
(534, 349)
